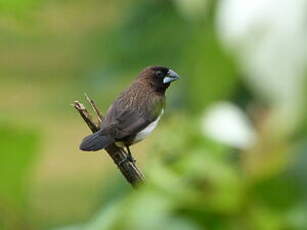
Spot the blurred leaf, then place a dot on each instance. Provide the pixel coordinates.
(212, 75)
(17, 149)
(151, 33)
(17, 6)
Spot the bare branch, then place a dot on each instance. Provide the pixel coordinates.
(94, 107)
(86, 116)
(129, 170)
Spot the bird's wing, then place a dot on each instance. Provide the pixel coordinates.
(123, 122)
(131, 112)
(130, 123)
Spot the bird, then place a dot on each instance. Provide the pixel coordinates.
(135, 113)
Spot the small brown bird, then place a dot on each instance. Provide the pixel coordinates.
(135, 113)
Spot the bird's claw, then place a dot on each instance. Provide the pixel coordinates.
(131, 159)
(128, 158)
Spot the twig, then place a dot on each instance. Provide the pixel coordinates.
(94, 107)
(129, 170)
(86, 116)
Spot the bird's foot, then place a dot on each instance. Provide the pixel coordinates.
(128, 158)
(131, 159)
(129, 155)
(123, 161)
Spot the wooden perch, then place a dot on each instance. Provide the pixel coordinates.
(129, 170)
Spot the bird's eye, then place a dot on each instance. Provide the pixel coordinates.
(159, 74)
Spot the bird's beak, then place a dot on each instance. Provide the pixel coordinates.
(171, 76)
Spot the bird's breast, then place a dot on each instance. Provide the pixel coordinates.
(147, 130)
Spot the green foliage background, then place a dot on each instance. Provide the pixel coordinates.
(53, 51)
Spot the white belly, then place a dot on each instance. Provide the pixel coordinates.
(145, 132)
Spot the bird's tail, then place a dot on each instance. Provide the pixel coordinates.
(95, 142)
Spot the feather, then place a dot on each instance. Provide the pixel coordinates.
(96, 142)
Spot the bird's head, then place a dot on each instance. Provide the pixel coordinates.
(159, 77)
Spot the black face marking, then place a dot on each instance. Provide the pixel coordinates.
(158, 77)
(160, 74)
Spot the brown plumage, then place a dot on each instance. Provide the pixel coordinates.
(135, 113)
